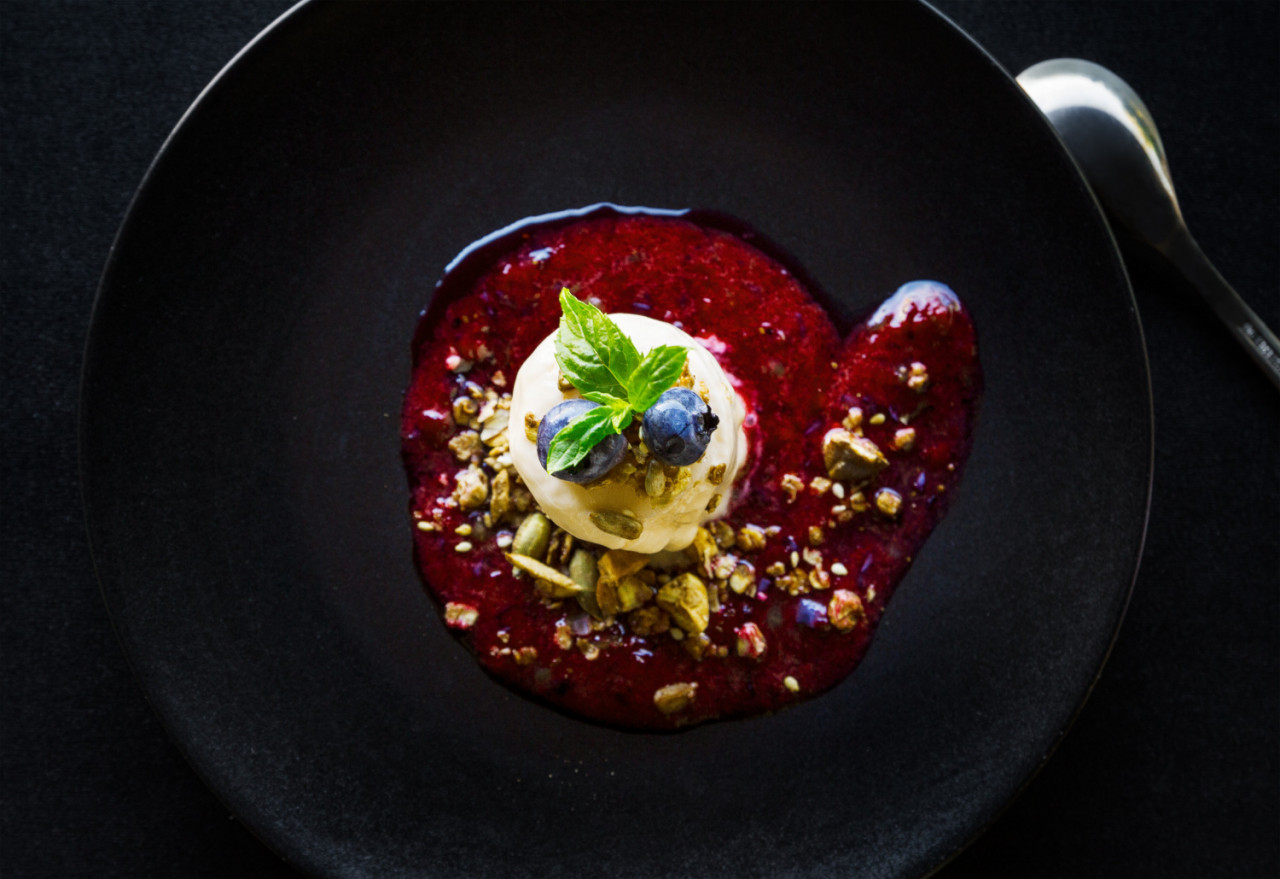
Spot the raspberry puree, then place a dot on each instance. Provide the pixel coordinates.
(833, 550)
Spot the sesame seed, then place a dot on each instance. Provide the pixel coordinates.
(464, 546)
(791, 684)
(838, 569)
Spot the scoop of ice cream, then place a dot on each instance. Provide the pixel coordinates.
(664, 504)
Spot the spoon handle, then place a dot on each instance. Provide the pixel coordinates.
(1256, 338)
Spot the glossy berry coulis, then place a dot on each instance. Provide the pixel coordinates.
(798, 378)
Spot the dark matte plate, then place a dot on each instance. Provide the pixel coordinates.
(251, 342)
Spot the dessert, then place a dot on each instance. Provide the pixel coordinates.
(798, 473)
(668, 520)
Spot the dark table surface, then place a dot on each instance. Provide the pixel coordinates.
(1173, 766)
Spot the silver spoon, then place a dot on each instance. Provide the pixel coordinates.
(1114, 140)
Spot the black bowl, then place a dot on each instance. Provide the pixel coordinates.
(250, 345)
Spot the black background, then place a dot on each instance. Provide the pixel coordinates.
(1173, 767)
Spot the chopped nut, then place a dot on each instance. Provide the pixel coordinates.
(706, 548)
(460, 616)
(697, 646)
(777, 569)
(564, 636)
(904, 439)
(713, 503)
(849, 457)
(499, 379)
(521, 499)
(494, 425)
(618, 524)
(723, 565)
(472, 488)
(819, 579)
(557, 585)
(716, 474)
(530, 427)
(526, 655)
(751, 641)
(650, 620)
(674, 697)
(589, 651)
(751, 538)
(888, 502)
(812, 557)
(618, 563)
(563, 383)
(792, 485)
(918, 377)
(620, 596)
(722, 531)
(857, 504)
(685, 598)
(815, 535)
(532, 537)
(853, 421)
(819, 485)
(743, 578)
(466, 444)
(500, 496)
(464, 409)
(845, 609)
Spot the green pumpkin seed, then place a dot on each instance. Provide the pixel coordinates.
(532, 536)
(618, 524)
(584, 572)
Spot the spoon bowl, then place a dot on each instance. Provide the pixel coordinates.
(1113, 138)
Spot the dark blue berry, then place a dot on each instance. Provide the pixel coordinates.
(602, 458)
(678, 427)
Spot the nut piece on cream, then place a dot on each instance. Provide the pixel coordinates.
(668, 504)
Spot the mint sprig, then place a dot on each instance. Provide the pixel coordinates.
(604, 365)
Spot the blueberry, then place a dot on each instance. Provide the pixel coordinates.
(602, 458)
(678, 427)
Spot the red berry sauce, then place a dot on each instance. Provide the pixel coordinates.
(916, 373)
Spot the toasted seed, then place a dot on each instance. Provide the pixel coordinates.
(559, 585)
(532, 536)
(674, 697)
(655, 480)
(618, 524)
(583, 571)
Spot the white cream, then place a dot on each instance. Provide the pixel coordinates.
(670, 526)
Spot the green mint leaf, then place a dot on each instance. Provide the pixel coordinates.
(578, 437)
(581, 366)
(621, 409)
(657, 372)
(613, 350)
